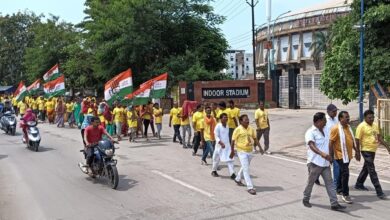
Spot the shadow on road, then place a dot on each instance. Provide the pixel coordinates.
(268, 188)
(125, 183)
(3, 156)
(44, 149)
(346, 211)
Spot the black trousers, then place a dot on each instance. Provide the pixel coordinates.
(196, 141)
(342, 183)
(369, 169)
(176, 129)
(82, 136)
(231, 130)
(89, 151)
(152, 127)
(146, 126)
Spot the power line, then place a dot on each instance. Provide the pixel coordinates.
(231, 9)
(242, 40)
(235, 15)
(239, 36)
(223, 8)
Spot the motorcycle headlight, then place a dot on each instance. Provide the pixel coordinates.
(109, 153)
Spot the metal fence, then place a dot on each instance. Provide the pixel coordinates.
(383, 107)
(283, 91)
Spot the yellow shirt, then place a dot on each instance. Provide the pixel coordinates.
(197, 119)
(157, 111)
(368, 136)
(118, 114)
(185, 121)
(234, 114)
(41, 104)
(207, 132)
(244, 138)
(132, 122)
(22, 107)
(226, 111)
(334, 136)
(34, 104)
(175, 112)
(49, 105)
(69, 107)
(14, 101)
(262, 118)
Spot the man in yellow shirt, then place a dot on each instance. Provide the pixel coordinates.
(118, 114)
(368, 139)
(197, 123)
(263, 127)
(208, 137)
(69, 112)
(232, 118)
(158, 115)
(243, 140)
(50, 104)
(186, 130)
(22, 106)
(41, 108)
(174, 119)
(132, 121)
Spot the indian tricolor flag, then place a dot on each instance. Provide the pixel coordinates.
(119, 86)
(159, 86)
(52, 74)
(55, 87)
(33, 88)
(20, 92)
(142, 95)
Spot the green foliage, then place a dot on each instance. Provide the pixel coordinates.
(340, 78)
(15, 36)
(319, 46)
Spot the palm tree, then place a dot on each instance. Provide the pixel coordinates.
(319, 46)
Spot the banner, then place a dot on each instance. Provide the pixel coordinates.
(20, 92)
(142, 95)
(55, 87)
(159, 86)
(118, 87)
(52, 74)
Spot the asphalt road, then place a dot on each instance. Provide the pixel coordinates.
(161, 180)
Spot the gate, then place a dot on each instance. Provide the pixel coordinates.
(383, 106)
(283, 91)
(309, 94)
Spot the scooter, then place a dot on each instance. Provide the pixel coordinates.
(8, 123)
(33, 138)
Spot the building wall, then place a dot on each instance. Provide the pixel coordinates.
(240, 64)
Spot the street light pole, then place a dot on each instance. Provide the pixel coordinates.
(252, 4)
(361, 61)
(272, 39)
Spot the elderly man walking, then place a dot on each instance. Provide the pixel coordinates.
(318, 161)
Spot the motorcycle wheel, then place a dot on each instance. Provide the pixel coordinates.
(13, 131)
(113, 177)
(36, 145)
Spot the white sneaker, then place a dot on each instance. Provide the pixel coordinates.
(268, 152)
(346, 199)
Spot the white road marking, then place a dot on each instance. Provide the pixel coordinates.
(183, 183)
(299, 162)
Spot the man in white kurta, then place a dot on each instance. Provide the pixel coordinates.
(222, 147)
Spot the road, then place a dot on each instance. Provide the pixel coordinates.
(161, 180)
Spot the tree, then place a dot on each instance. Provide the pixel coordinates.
(15, 37)
(340, 78)
(153, 36)
(319, 46)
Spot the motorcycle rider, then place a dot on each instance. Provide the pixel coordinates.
(28, 116)
(7, 107)
(92, 135)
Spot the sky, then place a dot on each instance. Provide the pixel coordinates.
(237, 27)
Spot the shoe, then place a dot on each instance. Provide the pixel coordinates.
(181, 142)
(239, 183)
(193, 154)
(337, 207)
(339, 193)
(306, 204)
(214, 174)
(382, 196)
(317, 182)
(268, 152)
(252, 191)
(204, 162)
(346, 199)
(363, 188)
(184, 146)
(233, 176)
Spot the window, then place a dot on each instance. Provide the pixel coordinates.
(247, 67)
(232, 66)
(231, 58)
(243, 72)
(236, 67)
(247, 59)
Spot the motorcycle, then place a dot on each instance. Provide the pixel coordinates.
(32, 138)
(103, 164)
(8, 123)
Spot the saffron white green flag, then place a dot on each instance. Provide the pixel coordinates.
(142, 95)
(20, 92)
(119, 86)
(55, 87)
(52, 74)
(33, 88)
(159, 86)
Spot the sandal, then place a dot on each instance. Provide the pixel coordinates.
(252, 191)
(239, 183)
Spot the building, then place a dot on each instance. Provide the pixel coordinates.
(295, 74)
(240, 64)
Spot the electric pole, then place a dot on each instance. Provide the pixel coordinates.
(252, 4)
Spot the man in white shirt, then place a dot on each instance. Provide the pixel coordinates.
(222, 147)
(318, 161)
